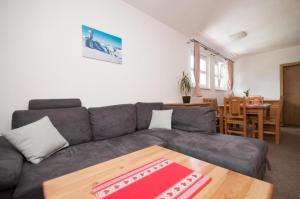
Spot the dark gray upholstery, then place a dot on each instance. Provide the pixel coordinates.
(240, 154)
(163, 134)
(144, 113)
(112, 121)
(72, 123)
(194, 119)
(11, 162)
(68, 160)
(117, 125)
(133, 142)
(53, 103)
(78, 157)
(6, 194)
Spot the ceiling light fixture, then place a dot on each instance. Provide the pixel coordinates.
(239, 35)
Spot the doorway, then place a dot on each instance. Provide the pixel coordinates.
(290, 90)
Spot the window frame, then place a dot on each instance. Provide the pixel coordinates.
(221, 74)
(207, 72)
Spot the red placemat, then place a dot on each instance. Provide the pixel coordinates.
(161, 179)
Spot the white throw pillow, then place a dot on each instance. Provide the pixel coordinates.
(161, 119)
(37, 141)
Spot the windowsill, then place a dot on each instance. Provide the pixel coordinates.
(205, 88)
(216, 89)
(219, 89)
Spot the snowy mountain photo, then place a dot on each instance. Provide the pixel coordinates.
(100, 45)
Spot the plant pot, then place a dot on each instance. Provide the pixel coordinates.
(186, 99)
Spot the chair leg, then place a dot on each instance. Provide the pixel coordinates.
(226, 128)
(277, 135)
(255, 131)
(245, 129)
(221, 125)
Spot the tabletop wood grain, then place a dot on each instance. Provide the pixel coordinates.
(225, 183)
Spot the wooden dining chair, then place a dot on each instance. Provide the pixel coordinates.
(219, 114)
(235, 116)
(255, 100)
(272, 123)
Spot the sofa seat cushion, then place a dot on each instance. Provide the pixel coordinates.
(240, 154)
(65, 161)
(133, 142)
(164, 134)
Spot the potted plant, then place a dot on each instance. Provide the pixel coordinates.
(185, 85)
(247, 92)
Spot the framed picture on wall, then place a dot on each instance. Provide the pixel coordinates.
(100, 45)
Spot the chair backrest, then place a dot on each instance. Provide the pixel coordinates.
(212, 101)
(275, 109)
(235, 107)
(255, 100)
(278, 116)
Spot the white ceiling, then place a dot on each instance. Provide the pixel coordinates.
(270, 24)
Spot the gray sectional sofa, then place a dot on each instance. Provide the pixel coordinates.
(99, 134)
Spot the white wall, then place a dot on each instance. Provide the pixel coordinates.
(40, 55)
(261, 72)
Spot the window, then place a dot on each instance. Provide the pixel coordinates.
(221, 75)
(204, 71)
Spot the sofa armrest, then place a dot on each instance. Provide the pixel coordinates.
(11, 162)
(193, 119)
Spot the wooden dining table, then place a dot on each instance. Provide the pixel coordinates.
(260, 110)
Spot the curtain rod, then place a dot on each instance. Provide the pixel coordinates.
(209, 49)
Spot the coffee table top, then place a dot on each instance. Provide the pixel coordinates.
(224, 184)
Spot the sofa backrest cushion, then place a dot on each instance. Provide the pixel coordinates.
(72, 123)
(112, 121)
(194, 119)
(36, 104)
(144, 113)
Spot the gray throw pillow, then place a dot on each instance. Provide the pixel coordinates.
(161, 119)
(37, 141)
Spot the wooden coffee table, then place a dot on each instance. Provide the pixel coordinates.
(224, 184)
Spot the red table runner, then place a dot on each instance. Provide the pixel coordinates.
(251, 105)
(160, 179)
